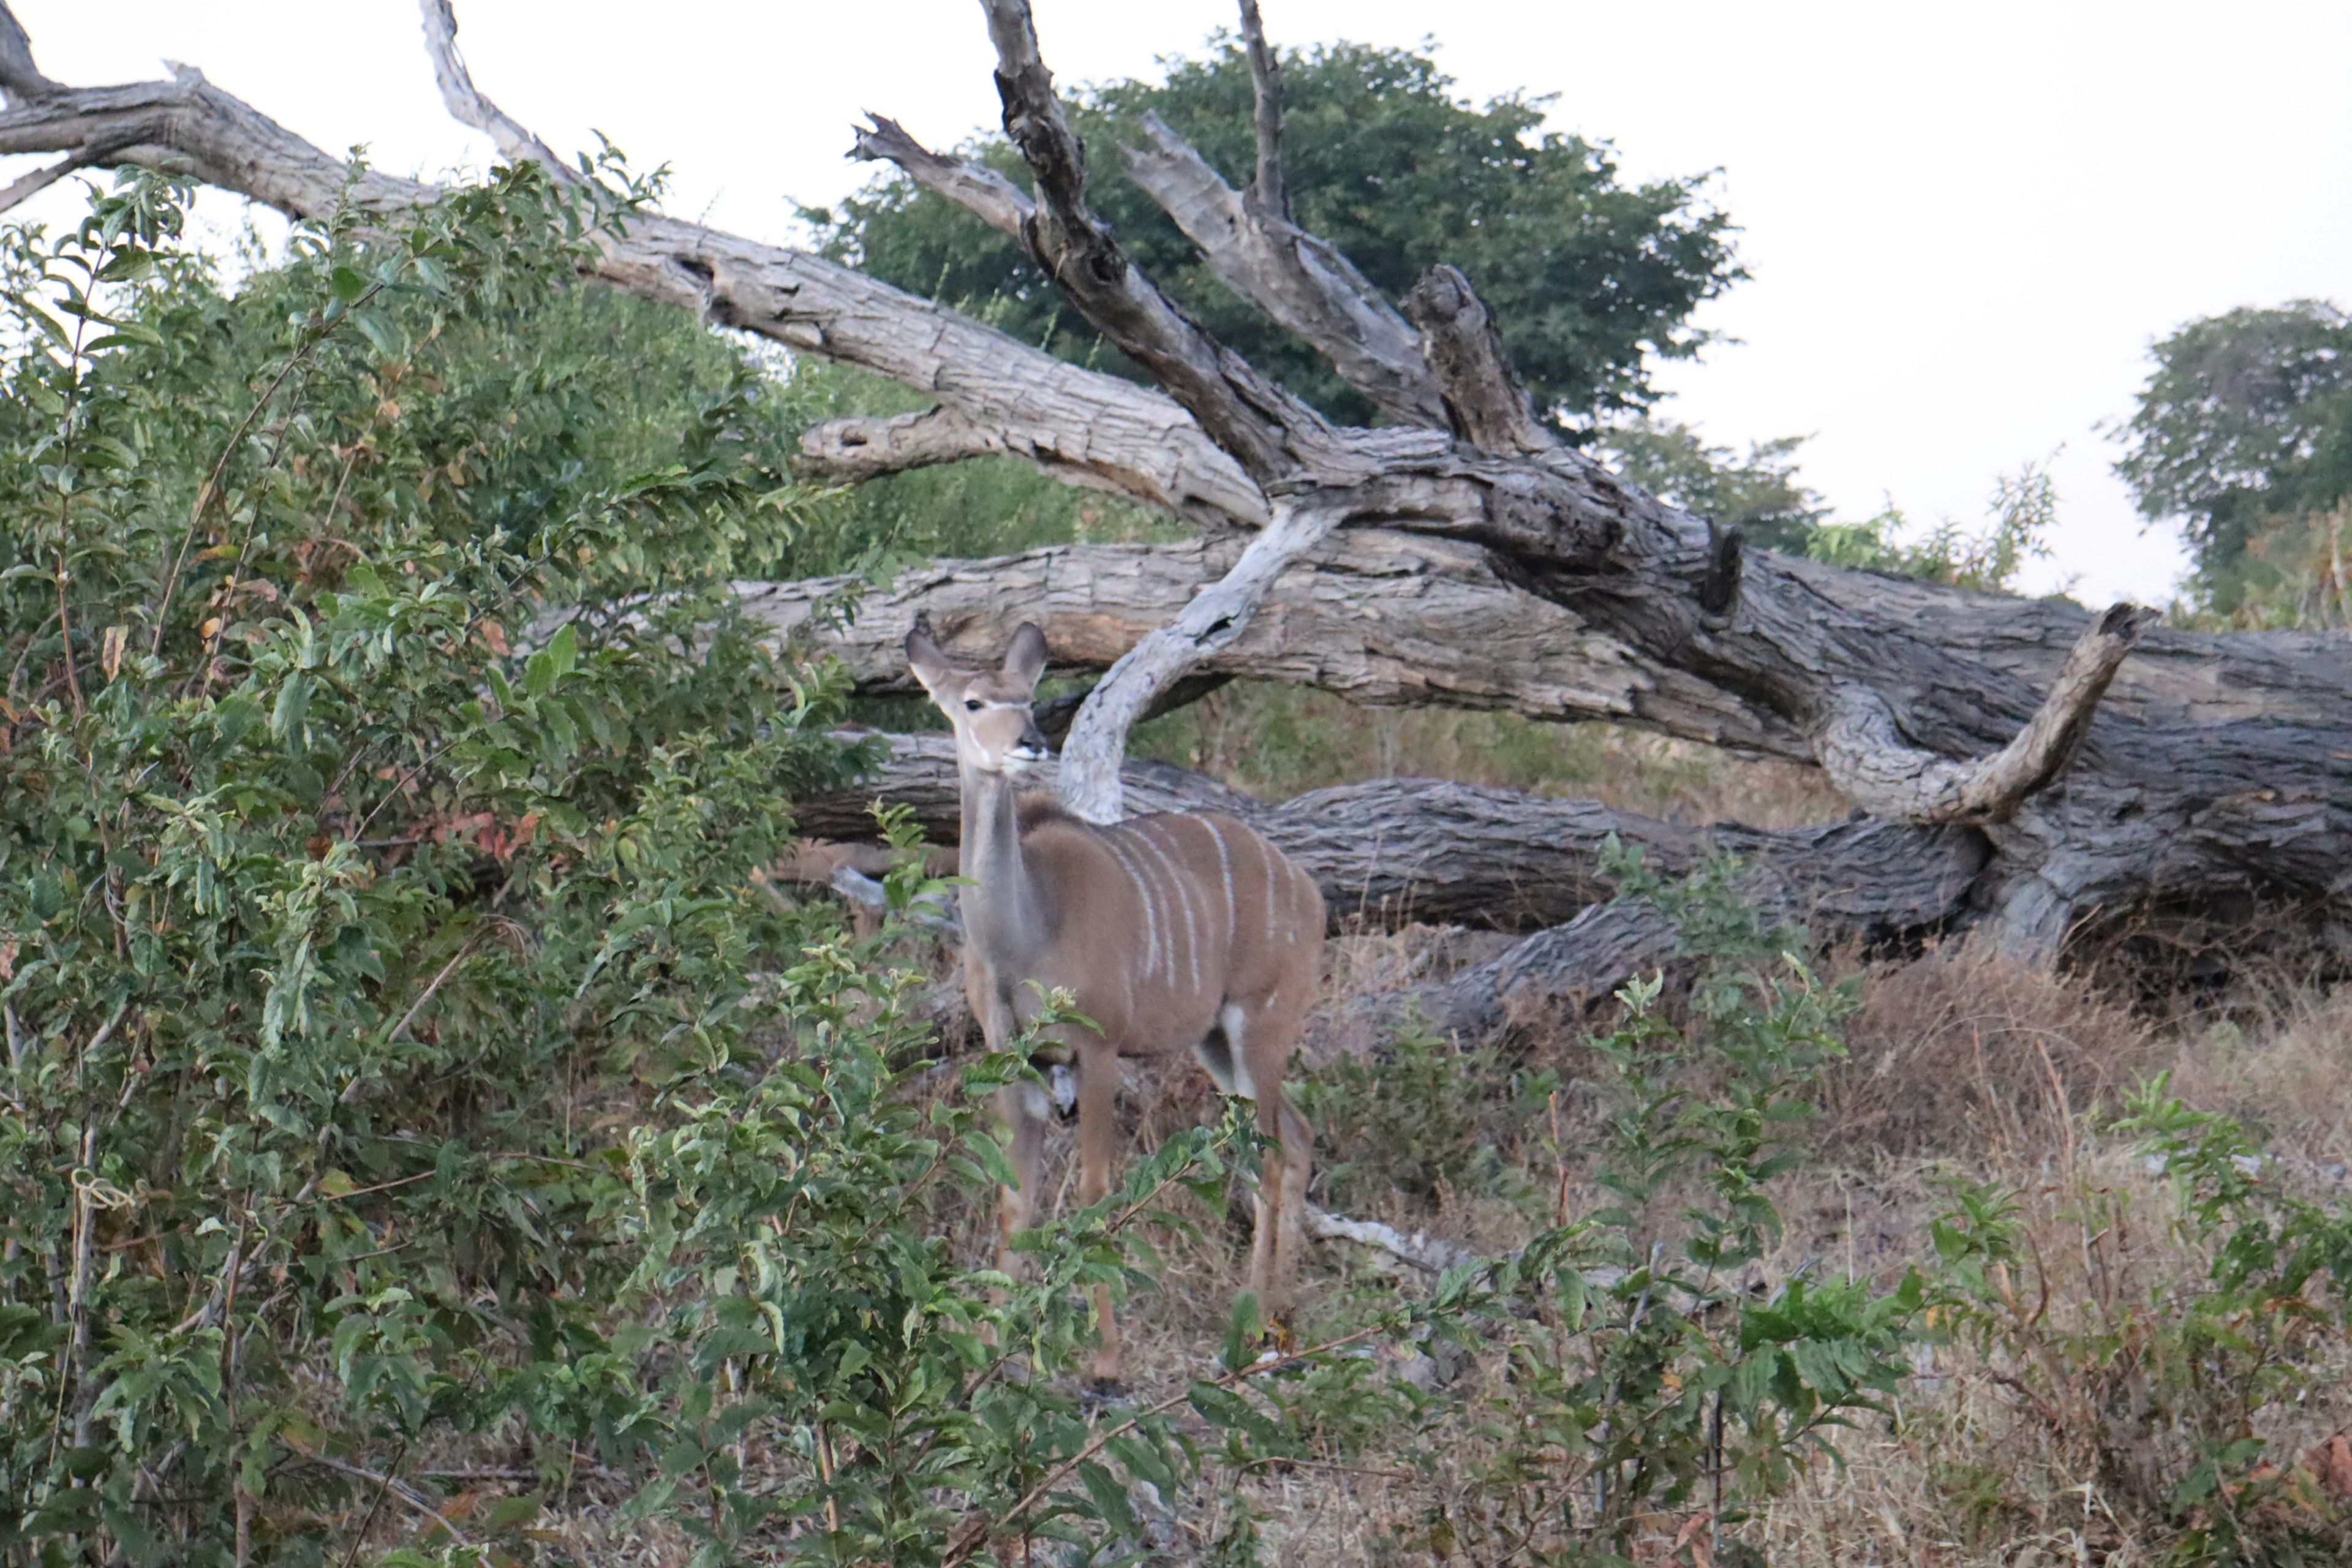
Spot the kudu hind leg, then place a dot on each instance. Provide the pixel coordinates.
(1266, 1038)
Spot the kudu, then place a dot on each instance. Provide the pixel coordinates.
(1185, 930)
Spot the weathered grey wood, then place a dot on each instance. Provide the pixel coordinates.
(1210, 620)
(1425, 849)
(1483, 402)
(1382, 618)
(1869, 763)
(1299, 281)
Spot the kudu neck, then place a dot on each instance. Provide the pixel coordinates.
(1002, 915)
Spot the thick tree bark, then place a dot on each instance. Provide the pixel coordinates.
(1382, 618)
(1425, 850)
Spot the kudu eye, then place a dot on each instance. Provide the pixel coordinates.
(973, 705)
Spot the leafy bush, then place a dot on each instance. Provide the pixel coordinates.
(1422, 1119)
(396, 1056)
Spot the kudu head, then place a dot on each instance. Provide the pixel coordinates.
(995, 728)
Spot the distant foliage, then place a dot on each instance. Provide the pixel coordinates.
(2244, 433)
(2024, 514)
(1588, 276)
(1761, 493)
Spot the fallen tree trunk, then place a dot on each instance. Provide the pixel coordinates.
(1476, 561)
(1396, 850)
(1377, 617)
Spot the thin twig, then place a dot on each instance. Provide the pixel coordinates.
(976, 1536)
(401, 1488)
(369, 1522)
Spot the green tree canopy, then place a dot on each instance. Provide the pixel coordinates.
(1589, 277)
(1760, 494)
(2244, 433)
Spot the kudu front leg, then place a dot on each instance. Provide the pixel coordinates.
(1098, 1136)
(1019, 1107)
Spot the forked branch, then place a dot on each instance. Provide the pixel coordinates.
(1254, 418)
(1302, 282)
(1865, 755)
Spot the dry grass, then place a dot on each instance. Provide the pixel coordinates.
(1277, 741)
(1964, 1067)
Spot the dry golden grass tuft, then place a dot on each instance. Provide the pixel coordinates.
(1964, 1068)
(1965, 1050)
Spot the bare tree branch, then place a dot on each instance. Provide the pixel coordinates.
(466, 103)
(1254, 419)
(1269, 192)
(1867, 758)
(24, 187)
(1209, 621)
(975, 187)
(20, 79)
(1303, 284)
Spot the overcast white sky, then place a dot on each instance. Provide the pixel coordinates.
(1965, 223)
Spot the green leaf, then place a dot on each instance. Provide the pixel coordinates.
(293, 702)
(347, 284)
(381, 330)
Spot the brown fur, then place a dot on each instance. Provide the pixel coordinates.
(1171, 932)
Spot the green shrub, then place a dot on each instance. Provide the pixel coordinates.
(396, 1055)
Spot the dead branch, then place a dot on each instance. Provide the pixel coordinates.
(1255, 420)
(1865, 755)
(1302, 283)
(1214, 618)
(1483, 401)
(973, 186)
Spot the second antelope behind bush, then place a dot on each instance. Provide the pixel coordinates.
(1186, 930)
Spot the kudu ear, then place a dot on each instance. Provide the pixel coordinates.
(1024, 662)
(927, 659)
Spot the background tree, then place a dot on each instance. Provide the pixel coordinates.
(1760, 494)
(2244, 433)
(1589, 277)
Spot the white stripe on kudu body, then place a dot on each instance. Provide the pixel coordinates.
(1143, 897)
(1054, 903)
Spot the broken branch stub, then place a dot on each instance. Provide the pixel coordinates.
(1485, 402)
(1863, 751)
(975, 187)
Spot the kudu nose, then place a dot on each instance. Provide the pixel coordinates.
(1032, 740)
